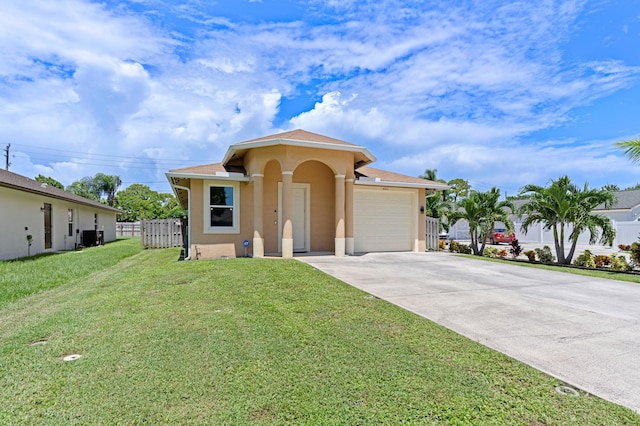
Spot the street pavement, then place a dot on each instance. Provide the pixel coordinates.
(584, 331)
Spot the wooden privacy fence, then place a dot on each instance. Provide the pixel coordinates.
(161, 233)
(127, 229)
(432, 231)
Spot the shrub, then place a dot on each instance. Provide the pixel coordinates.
(531, 255)
(456, 247)
(635, 255)
(585, 259)
(544, 254)
(601, 260)
(464, 248)
(619, 263)
(442, 244)
(502, 253)
(516, 249)
(490, 252)
(624, 247)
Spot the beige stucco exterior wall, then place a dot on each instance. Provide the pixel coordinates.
(272, 175)
(209, 245)
(422, 222)
(313, 166)
(20, 215)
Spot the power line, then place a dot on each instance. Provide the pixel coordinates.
(81, 163)
(89, 155)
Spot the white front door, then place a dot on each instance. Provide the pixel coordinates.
(300, 217)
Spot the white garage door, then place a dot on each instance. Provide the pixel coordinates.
(383, 220)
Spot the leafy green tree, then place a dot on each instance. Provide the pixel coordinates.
(96, 187)
(460, 188)
(436, 204)
(567, 209)
(482, 210)
(81, 188)
(49, 181)
(139, 202)
(611, 187)
(107, 185)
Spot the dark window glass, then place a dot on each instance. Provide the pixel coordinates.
(71, 229)
(222, 216)
(221, 196)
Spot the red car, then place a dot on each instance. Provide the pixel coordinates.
(500, 236)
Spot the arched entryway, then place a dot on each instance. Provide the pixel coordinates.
(315, 181)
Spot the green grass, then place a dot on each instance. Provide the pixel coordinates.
(22, 277)
(256, 341)
(595, 273)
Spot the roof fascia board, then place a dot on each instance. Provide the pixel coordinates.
(293, 142)
(397, 184)
(226, 176)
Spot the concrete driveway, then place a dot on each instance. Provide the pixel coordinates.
(584, 331)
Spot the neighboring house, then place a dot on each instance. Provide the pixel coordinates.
(626, 208)
(54, 219)
(299, 192)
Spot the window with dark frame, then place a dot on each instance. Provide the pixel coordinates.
(70, 220)
(221, 206)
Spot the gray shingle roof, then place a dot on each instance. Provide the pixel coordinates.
(23, 183)
(624, 200)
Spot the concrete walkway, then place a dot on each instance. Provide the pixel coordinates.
(584, 331)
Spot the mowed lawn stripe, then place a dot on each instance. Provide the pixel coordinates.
(255, 341)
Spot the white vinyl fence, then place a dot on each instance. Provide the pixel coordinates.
(626, 233)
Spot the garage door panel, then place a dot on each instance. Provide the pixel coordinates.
(382, 220)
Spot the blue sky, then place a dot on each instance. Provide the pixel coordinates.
(501, 93)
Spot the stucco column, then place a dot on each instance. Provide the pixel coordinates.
(340, 211)
(287, 214)
(348, 217)
(258, 240)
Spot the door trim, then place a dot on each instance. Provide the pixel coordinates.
(307, 216)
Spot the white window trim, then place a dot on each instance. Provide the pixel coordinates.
(208, 229)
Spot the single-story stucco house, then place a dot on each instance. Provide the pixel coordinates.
(626, 207)
(36, 218)
(299, 191)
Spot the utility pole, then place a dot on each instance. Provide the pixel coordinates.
(6, 163)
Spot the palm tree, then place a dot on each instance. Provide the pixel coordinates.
(436, 204)
(482, 210)
(631, 148)
(107, 185)
(566, 209)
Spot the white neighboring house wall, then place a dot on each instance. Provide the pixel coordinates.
(627, 232)
(21, 215)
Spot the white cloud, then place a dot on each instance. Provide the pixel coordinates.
(453, 86)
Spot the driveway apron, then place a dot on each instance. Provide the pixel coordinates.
(584, 331)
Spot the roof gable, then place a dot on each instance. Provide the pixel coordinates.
(300, 138)
(299, 135)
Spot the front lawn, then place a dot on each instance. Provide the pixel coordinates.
(264, 341)
(28, 275)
